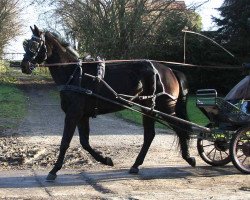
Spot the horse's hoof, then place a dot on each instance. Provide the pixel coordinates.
(51, 177)
(109, 162)
(134, 170)
(191, 161)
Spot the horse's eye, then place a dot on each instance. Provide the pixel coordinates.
(34, 46)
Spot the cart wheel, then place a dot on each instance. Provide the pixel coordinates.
(240, 150)
(214, 151)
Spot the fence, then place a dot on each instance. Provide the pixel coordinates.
(13, 56)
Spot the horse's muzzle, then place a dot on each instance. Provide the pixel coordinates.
(26, 66)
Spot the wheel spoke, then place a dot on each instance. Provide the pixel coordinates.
(208, 145)
(241, 155)
(221, 155)
(211, 151)
(214, 154)
(243, 161)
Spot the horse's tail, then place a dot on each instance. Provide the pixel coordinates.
(181, 105)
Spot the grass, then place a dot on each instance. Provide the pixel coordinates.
(12, 100)
(130, 116)
(42, 72)
(194, 114)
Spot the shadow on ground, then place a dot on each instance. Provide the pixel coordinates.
(30, 179)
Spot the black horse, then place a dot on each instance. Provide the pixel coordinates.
(149, 83)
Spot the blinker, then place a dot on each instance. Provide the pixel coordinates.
(34, 46)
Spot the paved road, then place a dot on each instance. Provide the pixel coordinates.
(31, 184)
(156, 182)
(164, 175)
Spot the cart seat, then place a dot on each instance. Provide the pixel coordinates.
(219, 110)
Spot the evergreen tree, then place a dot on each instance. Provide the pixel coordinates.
(234, 26)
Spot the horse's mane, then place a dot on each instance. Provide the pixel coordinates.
(65, 44)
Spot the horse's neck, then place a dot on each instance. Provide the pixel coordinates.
(61, 73)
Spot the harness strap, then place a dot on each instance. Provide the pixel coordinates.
(100, 78)
(96, 90)
(148, 97)
(104, 82)
(90, 93)
(79, 66)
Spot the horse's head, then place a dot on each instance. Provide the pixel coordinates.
(35, 51)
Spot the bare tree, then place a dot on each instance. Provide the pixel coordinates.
(117, 28)
(9, 21)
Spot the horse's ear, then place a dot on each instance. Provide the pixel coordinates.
(36, 31)
(32, 29)
(36, 27)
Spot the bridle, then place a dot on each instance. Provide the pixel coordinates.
(33, 49)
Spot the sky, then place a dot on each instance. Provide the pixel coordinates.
(207, 11)
(31, 17)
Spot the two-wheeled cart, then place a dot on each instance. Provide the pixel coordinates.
(229, 139)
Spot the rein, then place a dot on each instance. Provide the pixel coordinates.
(57, 64)
(141, 60)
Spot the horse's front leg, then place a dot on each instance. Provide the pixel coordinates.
(69, 129)
(83, 129)
(149, 134)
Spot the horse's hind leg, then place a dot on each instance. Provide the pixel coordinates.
(69, 129)
(149, 134)
(182, 131)
(83, 129)
(184, 139)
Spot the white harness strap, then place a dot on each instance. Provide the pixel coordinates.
(156, 72)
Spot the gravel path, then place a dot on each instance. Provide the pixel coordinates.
(45, 116)
(164, 175)
(42, 128)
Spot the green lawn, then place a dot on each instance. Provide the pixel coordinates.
(194, 113)
(12, 100)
